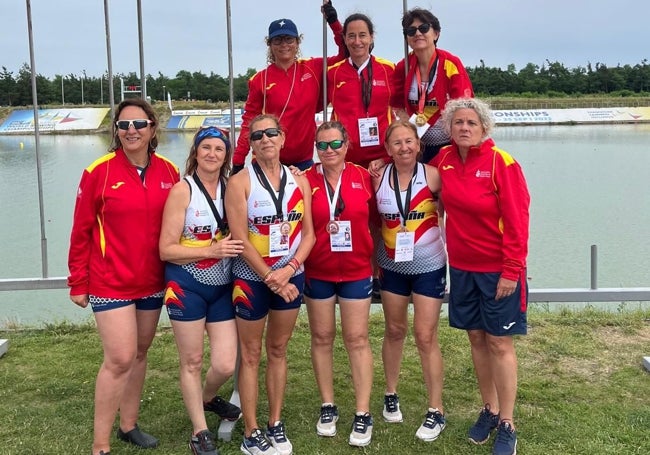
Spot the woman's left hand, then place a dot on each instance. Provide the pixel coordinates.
(279, 278)
(505, 288)
(296, 171)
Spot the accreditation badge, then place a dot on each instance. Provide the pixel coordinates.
(341, 240)
(404, 246)
(368, 131)
(279, 239)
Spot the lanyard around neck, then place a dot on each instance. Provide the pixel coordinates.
(220, 221)
(334, 199)
(403, 209)
(277, 200)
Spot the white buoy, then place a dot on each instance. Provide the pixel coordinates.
(22, 145)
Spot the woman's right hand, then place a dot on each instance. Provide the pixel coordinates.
(80, 300)
(288, 292)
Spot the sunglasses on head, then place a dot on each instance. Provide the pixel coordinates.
(212, 131)
(270, 132)
(422, 28)
(137, 124)
(334, 145)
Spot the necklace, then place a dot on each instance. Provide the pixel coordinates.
(286, 103)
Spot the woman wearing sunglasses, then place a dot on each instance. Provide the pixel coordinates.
(413, 266)
(359, 90)
(115, 265)
(289, 88)
(339, 269)
(265, 203)
(434, 76)
(198, 248)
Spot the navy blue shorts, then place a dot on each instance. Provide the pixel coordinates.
(253, 299)
(189, 300)
(353, 290)
(472, 305)
(428, 284)
(152, 302)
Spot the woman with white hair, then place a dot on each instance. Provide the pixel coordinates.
(486, 200)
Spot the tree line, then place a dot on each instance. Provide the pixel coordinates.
(551, 79)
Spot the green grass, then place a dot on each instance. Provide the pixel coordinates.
(582, 390)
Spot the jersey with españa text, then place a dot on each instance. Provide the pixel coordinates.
(429, 252)
(262, 214)
(200, 228)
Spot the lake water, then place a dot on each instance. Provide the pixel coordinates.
(588, 184)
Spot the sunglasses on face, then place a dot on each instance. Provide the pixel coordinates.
(137, 124)
(422, 28)
(283, 39)
(334, 145)
(270, 132)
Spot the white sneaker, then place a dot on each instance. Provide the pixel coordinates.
(361, 430)
(326, 425)
(257, 444)
(434, 423)
(391, 410)
(278, 437)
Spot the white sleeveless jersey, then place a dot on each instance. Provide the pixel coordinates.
(422, 218)
(262, 214)
(199, 230)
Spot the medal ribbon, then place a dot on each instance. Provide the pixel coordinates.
(422, 94)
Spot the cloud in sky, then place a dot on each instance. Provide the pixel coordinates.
(69, 36)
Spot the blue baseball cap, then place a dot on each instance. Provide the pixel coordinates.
(282, 27)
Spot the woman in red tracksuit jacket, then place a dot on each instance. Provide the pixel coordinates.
(289, 88)
(115, 265)
(434, 77)
(359, 89)
(486, 202)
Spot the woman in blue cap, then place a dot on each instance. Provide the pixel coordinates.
(289, 88)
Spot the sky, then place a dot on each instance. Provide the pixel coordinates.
(70, 37)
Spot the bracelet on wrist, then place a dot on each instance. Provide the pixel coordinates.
(266, 275)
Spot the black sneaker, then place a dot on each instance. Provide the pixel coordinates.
(479, 433)
(361, 430)
(326, 425)
(137, 438)
(224, 409)
(505, 442)
(203, 444)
